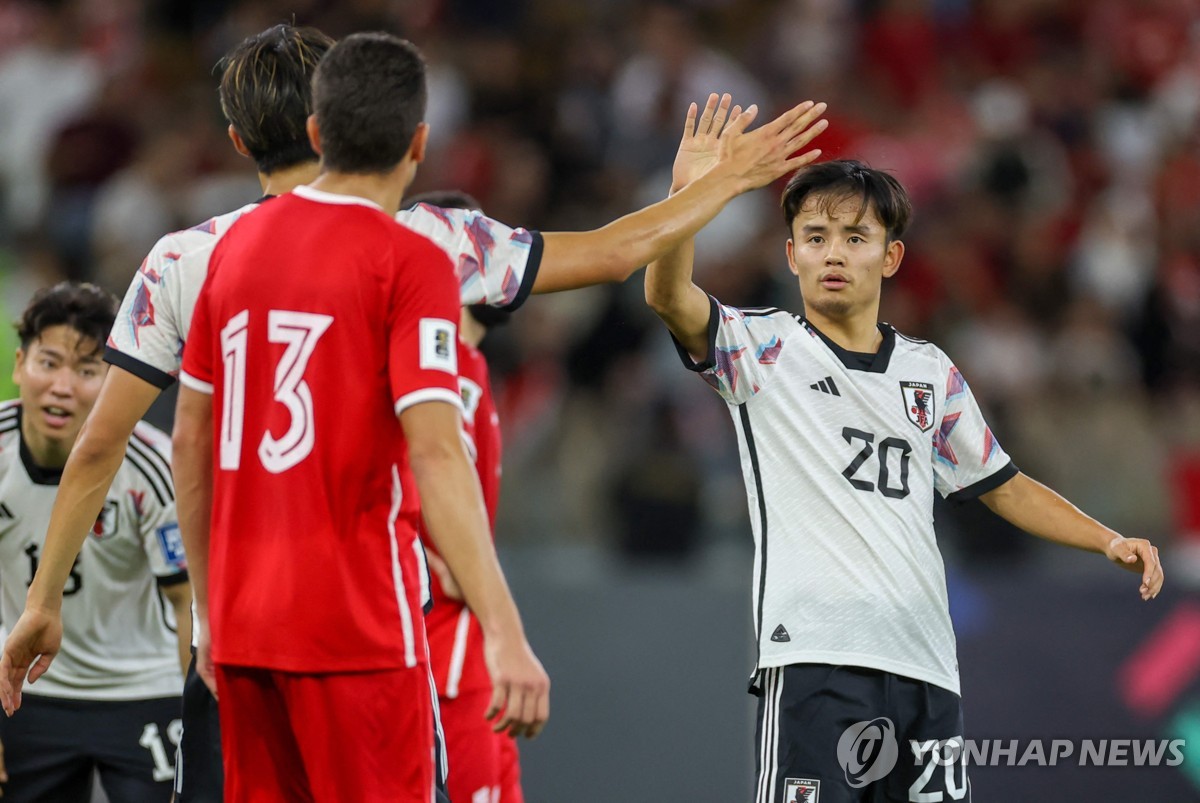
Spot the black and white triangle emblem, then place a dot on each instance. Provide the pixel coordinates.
(780, 634)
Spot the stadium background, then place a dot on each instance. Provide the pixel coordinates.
(1051, 150)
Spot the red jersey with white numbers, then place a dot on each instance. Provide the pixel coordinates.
(455, 638)
(320, 321)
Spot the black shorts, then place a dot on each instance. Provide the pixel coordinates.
(846, 734)
(199, 775)
(54, 746)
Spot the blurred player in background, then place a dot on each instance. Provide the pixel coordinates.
(484, 765)
(111, 701)
(334, 371)
(846, 428)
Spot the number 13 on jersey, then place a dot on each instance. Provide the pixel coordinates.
(299, 333)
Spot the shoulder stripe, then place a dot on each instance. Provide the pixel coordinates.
(147, 445)
(759, 310)
(151, 475)
(155, 462)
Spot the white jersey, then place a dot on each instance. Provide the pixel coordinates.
(119, 640)
(841, 454)
(496, 265)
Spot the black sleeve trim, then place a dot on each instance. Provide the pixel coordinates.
(714, 319)
(172, 579)
(532, 264)
(141, 370)
(988, 483)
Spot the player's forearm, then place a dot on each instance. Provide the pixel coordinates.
(89, 472)
(614, 252)
(180, 597)
(456, 519)
(191, 465)
(1038, 510)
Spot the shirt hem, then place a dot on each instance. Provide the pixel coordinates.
(867, 661)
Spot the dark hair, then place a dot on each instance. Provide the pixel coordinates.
(836, 181)
(266, 93)
(486, 314)
(369, 93)
(83, 307)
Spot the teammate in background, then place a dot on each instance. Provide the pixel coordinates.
(314, 502)
(265, 98)
(846, 428)
(484, 765)
(111, 701)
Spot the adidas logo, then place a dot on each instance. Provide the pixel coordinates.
(781, 633)
(826, 386)
(5, 513)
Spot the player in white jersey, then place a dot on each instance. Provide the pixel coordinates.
(846, 430)
(266, 98)
(111, 701)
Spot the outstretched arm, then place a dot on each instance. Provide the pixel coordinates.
(1040, 511)
(744, 161)
(670, 292)
(99, 450)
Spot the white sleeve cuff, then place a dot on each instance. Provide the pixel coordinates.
(428, 395)
(198, 385)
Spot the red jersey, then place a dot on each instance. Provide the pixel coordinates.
(319, 322)
(455, 638)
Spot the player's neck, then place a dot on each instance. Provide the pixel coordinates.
(278, 182)
(858, 333)
(385, 189)
(46, 452)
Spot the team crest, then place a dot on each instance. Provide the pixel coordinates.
(918, 403)
(801, 790)
(106, 522)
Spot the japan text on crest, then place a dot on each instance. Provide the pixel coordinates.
(918, 403)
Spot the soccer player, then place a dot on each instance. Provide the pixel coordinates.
(334, 372)
(483, 765)
(846, 429)
(111, 701)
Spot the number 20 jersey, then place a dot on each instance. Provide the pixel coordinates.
(841, 454)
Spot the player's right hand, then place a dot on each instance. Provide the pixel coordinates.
(205, 667)
(758, 157)
(520, 687)
(34, 641)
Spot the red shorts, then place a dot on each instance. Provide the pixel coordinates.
(297, 738)
(484, 766)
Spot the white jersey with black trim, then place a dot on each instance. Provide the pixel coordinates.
(119, 640)
(841, 454)
(496, 264)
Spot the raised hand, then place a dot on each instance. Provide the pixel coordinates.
(1140, 556)
(698, 148)
(34, 641)
(758, 157)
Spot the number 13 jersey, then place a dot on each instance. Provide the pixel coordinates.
(841, 453)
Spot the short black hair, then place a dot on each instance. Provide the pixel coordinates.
(266, 93)
(486, 314)
(369, 93)
(83, 307)
(836, 181)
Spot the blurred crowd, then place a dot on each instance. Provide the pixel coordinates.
(1052, 149)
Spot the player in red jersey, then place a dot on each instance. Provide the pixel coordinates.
(324, 338)
(484, 765)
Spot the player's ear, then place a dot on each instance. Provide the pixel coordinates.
(892, 258)
(314, 133)
(791, 256)
(416, 150)
(18, 362)
(239, 144)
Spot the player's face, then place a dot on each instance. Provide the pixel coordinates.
(841, 254)
(59, 377)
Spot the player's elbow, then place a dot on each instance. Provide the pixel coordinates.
(430, 455)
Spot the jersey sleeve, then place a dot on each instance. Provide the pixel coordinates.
(743, 349)
(146, 339)
(496, 264)
(967, 459)
(154, 504)
(197, 365)
(423, 329)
